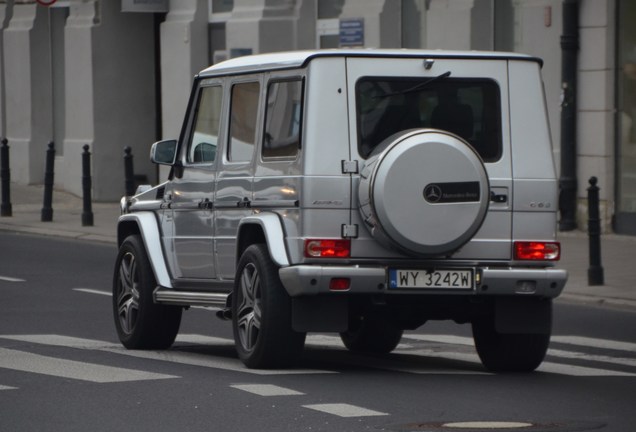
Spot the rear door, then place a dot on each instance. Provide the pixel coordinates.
(467, 97)
(234, 193)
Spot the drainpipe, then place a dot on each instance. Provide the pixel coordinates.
(568, 181)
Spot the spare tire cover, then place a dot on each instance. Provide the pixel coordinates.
(424, 192)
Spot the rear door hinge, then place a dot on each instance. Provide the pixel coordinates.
(350, 167)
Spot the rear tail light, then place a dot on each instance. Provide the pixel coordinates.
(537, 251)
(327, 248)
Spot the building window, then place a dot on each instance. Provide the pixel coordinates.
(626, 98)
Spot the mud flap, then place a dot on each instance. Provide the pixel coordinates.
(320, 314)
(523, 315)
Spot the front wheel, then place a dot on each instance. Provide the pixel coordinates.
(261, 312)
(140, 322)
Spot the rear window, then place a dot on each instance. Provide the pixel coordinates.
(469, 108)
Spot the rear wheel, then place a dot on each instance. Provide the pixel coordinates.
(508, 352)
(140, 322)
(261, 312)
(372, 334)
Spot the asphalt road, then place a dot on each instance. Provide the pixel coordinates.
(62, 368)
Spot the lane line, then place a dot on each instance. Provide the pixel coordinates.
(266, 390)
(35, 363)
(345, 410)
(11, 279)
(3, 387)
(93, 291)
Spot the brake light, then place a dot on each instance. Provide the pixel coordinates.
(325, 248)
(537, 251)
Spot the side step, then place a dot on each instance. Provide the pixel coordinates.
(190, 298)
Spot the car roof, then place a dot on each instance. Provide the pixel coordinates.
(297, 59)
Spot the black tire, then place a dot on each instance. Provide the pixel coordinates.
(140, 322)
(372, 335)
(261, 314)
(504, 352)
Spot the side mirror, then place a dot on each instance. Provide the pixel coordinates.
(164, 152)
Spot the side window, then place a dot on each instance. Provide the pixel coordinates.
(282, 119)
(205, 133)
(243, 114)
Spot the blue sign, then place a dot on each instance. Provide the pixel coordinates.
(352, 32)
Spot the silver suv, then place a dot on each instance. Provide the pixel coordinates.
(360, 192)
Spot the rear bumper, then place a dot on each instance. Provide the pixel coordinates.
(303, 280)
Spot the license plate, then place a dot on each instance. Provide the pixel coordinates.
(431, 279)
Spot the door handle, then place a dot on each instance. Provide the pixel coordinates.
(498, 198)
(245, 203)
(206, 204)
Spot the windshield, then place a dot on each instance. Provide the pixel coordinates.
(469, 108)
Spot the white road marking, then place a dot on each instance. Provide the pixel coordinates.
(93, 291)
(595, 343)
(345, 410)
(11, 279)
(266, 390)
(592, 357)
(330, 341)
(28, 362)
(568, 369)
(179, 355)
(174, 356)
(447, 339)
(2, 387)
(198, 339)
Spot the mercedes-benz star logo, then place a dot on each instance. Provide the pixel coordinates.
(432, 193)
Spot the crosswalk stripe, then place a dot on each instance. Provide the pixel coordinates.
(174, 356)
(266, 390)
(178, 355)
(29, 362)
(583, 341)
(344, 410)
(572, 370)
(595, 343)
(3, 387)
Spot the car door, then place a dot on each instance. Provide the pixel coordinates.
(465, 96)
(188, 221)
(234, 190)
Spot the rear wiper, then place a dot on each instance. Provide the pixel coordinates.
(416, 87)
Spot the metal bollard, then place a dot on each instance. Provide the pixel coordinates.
(595, 271)
(5, 176)
(129, 172)
(87, 213)
(47, 208)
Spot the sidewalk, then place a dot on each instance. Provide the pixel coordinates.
(618, 252)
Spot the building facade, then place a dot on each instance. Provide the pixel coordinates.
(117, 73)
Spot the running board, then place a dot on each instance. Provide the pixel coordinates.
(190, 298)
